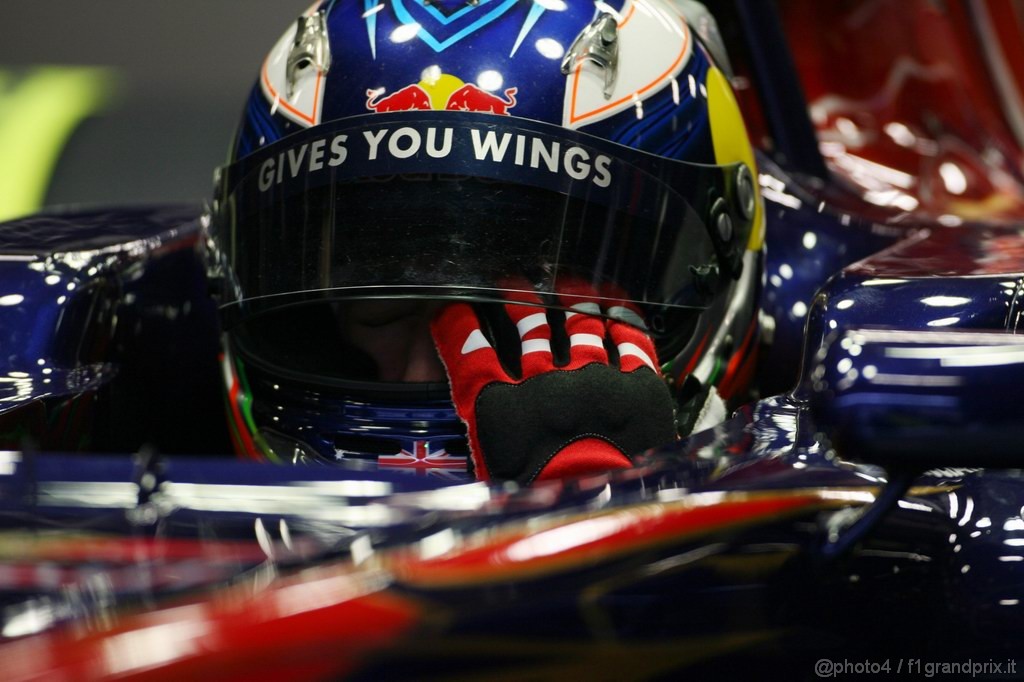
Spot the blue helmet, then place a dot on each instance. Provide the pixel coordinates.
(396, 154)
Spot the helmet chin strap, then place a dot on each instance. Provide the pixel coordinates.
(712, 413)
(699, 407)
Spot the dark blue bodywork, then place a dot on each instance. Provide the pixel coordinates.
(890, 349)
(107, 313)
(134, 341)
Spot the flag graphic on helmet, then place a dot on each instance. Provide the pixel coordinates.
(419, 455)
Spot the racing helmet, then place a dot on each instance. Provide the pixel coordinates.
(396, 155)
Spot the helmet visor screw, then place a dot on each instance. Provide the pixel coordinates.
(724, 225)
(745, 194)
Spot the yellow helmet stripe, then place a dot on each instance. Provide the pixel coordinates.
(731, 141)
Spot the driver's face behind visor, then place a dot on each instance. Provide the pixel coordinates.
(396, 335)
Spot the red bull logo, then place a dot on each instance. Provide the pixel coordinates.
(442, 92)
(409, 98)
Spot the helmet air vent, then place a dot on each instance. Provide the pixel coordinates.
(311, 49)
(598, 43)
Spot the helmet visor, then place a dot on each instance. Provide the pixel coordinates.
(445, 205)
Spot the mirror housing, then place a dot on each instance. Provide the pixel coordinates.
(921, 399)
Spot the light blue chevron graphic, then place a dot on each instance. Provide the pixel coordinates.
(371, 8)
(499, 7)
(442, 19)
(531, 19)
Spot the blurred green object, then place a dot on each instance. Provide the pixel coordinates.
(38, 114)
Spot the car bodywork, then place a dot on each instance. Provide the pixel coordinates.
(835, 519)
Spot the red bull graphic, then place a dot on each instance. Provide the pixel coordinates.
(409, 98)
(442, 92)
(471, 98)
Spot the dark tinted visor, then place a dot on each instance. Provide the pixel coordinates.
(456, 205)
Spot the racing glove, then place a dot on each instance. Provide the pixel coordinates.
(546, 393)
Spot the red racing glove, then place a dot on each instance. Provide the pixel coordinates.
(540, 405)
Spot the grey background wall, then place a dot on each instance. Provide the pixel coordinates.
(181, 72)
